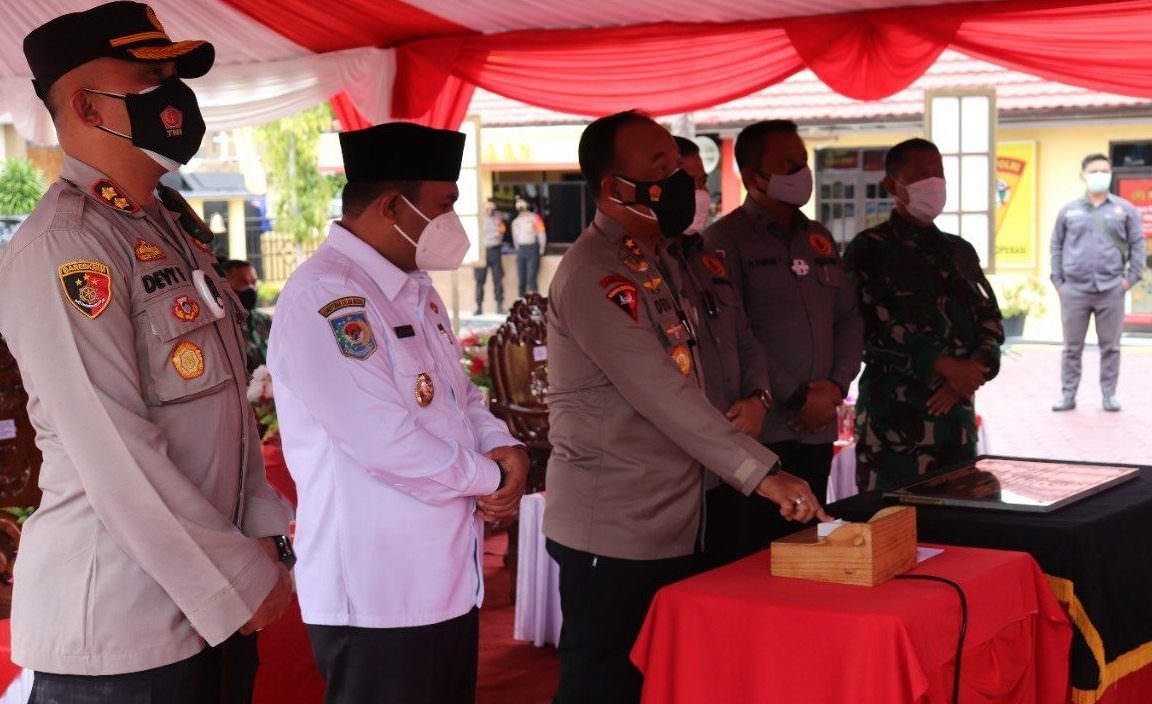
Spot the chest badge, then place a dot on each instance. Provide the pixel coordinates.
(800, 267)
(714, 265)
(188, 359)
(683, 358)
(185, 309)
(820, 244)
(354, 335)
(147, 252)
(434, 308)
(425, 389)
(87, 285)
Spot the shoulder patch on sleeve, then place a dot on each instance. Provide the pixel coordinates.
(820, 244)
(623, 294)
(345, 302)
(87, 286)
(354, 335)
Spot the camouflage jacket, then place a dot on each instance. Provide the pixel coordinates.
(922, 294)
(256, 332)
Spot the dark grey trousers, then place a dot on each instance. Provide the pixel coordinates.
(1076, 307)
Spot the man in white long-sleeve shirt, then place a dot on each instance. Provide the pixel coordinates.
(393, 451)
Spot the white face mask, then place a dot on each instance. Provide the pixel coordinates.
(443, 243)
(1098, 181)
(700, 219)
(927, 198)
(793, 189)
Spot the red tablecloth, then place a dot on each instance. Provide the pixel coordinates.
(287, 672)
(9, 671)
(737, 634)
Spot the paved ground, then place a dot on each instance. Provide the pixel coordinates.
(1016, 407)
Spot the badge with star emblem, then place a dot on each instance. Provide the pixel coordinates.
(185, 309)
(107, 191)
(87, 286)
(188, 360)
(148, 252)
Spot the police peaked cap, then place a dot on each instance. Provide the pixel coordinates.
(119, 30)
(402, 151)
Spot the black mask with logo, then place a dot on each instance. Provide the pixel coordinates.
(671, 200)
(166, 121)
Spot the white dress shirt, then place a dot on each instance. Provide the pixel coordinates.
(386, 529)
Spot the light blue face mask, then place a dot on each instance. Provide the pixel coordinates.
(1098, 181)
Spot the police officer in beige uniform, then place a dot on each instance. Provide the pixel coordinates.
(733, 361)
(144, 564)
(630, 425)
(802, 308)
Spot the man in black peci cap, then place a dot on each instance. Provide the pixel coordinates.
(158, 548)
(394, 452)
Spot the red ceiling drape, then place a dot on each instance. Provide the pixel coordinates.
(670, 68)
(316, 26)
(677, 67)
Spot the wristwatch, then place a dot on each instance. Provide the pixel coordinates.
(764, 396)
(284, 550)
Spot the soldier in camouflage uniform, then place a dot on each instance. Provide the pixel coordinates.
(242, 279)
(932, 329)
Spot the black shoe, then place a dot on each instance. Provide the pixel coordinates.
(500, 309)
(1068, 403)
(1111, 404)
(479, 311)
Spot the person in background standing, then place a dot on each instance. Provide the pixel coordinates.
(1098, 252)
(693, 165)
(242, 279)
(492, 229)
(530, 238)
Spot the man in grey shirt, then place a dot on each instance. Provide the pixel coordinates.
(1098, 254)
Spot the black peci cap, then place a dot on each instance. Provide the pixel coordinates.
(402, 151)
(117, 30)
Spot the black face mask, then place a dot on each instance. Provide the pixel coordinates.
(672, 201)
(166, 122)
(247, 298)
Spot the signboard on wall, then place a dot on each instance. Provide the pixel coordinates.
(1016, 205)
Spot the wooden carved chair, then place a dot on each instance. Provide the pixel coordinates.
(518, 360)
(19, 468)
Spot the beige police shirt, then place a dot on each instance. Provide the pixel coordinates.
(151, 453)
(630, 425)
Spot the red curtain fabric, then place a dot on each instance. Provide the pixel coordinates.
(368, 23)
(670, 68)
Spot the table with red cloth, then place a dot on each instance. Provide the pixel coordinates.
(738, 634)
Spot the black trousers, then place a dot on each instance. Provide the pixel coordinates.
(493, 261)
(224, 674)
(604, 601)
(434, 664)
(528, 267)
(737, 526)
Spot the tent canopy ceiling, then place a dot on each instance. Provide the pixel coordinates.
(423, 59)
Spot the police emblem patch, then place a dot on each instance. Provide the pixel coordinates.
(425, 389)
(354, 335)
(624, 296)
(185, 309)
(820, 244)
(188, 360)
(714, 265)
(147, 252)
(107, 191)
(87, 286)
(683, 358)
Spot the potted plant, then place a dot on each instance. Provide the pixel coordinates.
(1018, 301)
